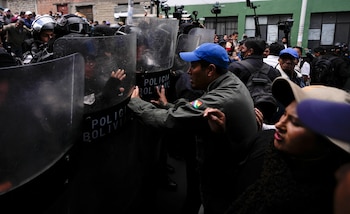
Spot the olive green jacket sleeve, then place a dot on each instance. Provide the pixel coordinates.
(179, 115)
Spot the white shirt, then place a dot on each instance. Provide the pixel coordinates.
(284, 75)
(305, 69)
(271, 60)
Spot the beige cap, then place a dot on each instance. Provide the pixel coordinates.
(285, 91)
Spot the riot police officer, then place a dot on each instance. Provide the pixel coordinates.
(72, 25)
(43, 38)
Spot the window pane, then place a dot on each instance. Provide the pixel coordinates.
(327, 36)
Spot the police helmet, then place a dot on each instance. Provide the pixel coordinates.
(340, 48)
(45, 22)
(72, 24)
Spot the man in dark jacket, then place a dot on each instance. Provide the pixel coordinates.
(217, 154)
(252, 52)
(336, 74)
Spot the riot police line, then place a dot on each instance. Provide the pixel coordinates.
(69, 142)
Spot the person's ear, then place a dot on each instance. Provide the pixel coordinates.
(250, 51)
(211, 69)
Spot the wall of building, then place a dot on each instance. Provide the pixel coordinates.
(276, 7)
(104, 10)
(21, 5)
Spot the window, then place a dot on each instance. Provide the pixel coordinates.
(223, 25)
(326, 29)
(268, 26)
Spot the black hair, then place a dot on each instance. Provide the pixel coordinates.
(300, 48)
(275, 48)
(320, 50)
(258, 45)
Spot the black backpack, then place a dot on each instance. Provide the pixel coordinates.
(259, 85)
(323, 71)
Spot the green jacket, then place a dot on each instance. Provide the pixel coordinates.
(217, 154)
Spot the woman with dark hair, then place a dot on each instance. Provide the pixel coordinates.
(290, 169)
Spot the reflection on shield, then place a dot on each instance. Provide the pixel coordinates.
(40, 110)
(102, 56)
(185, 43)
(156, 43)
(206, 35)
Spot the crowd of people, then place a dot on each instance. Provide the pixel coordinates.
(29, 37)
(287, 167)
(254, 154)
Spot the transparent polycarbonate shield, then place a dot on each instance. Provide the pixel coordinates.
(103, 55)
(185, 43)
(41, 111)
(156, 43)
(207, 35)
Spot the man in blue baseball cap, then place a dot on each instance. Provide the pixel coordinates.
(218, 155)
(208, 52)
(288, 58)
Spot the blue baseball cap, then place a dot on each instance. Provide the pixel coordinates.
(326, 117)
(291, 52)
(209, 52)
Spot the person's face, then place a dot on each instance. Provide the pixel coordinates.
(198, 76)
(317, 54)
(266, 52)
(287, 64)
(245, 51)
(216, 39)
(46, 35)
(19, 24)
(235, 36)
(292, 137)
(284, 40)
(298, 51)
(89, 68)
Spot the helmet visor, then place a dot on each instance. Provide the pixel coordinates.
(81, 28)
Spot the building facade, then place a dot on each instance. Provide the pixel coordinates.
(307, 23)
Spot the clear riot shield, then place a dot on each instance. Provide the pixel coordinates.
(156, 44)
(206, 35)
(185, 43)
(105, 98)
(40, 110)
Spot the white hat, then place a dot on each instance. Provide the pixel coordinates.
(6, 10)
(28, 13)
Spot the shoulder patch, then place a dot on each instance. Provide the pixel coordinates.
(196, 103)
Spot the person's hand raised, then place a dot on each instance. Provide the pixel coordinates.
(119, 74)
(162, 100)
(216, 119)
(259, 118)
(135, 92)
